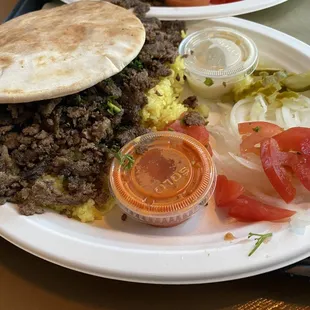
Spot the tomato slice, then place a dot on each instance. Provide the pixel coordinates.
(273, 162)
(294, 139)
(229, 194)
(199, 133)
(248, 209)
(176, 126)
(300, 164)
(253, 133)
(226, 191)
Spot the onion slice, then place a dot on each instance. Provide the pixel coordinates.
(246, 163)
(300, 221)
(239, 112)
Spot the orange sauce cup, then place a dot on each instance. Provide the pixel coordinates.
(171, 177)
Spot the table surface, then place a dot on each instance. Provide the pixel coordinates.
(27, 282)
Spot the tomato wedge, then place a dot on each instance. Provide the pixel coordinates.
(176, 126)
(300, 164)
(273, 162)
(229, 194)
(248, 209)
(295, 139)
(286, 152)
(226, 191)
(253, 133)
(199, 133)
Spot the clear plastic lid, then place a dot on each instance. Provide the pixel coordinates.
(219, 53)
(169, 175)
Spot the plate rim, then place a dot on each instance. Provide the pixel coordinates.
(213, 11)
(207, 12)
(25, 229)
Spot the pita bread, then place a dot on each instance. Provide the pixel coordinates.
(64, 50)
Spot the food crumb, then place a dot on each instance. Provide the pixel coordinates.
(191, 102)
(229, 237)
(141, 148)
(124, 217)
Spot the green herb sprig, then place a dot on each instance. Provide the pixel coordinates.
(112, 108)
(261, 238)
(208, 82)
(137, 64)
(126, 161)
(256, 129)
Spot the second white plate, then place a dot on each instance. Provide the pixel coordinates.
(208, 12)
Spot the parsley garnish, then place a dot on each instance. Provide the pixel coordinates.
(208, 82)
(112, 108)
(261, 238)
(78, 99)
(137, 64)
(256, 129)
(126, 161)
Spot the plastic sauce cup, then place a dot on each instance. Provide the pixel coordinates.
(217, 58)
(171, 178)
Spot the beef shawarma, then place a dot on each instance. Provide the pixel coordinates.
(74, 81)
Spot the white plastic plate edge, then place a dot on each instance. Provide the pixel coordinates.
(166, 265)
(208, 12)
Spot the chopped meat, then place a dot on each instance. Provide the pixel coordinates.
(140, 8)
(30, 209)
(99, 130)
(31, 130)
(5, 129)
(125, 136)
(35, 172)
(44, 194)
(74, 137)
(191, 102)
(46, 108)
(141, 148)
(193, 119)
(109, 88)
(9, 184)
(143, 145)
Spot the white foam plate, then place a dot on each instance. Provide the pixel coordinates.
(194, 252)
(208, 12)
